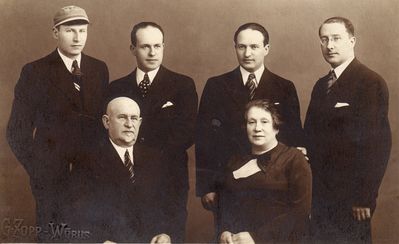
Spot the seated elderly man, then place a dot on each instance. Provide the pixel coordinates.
(120, 190)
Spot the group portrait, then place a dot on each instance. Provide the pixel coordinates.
(199, 121)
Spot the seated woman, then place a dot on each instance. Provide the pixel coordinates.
(266, 195)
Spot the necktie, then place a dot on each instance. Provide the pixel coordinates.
(331, 80)
(129, 165)
(76, 75)
(144, 85)
(251, 85)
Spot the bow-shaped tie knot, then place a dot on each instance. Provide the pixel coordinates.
(262, 159)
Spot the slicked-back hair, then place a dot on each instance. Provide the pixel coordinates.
(347, 23)
(268, 106)
(143, 25)
(253, 26)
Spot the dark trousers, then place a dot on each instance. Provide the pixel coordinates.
(334, 223)
(179, 217)
(49, 219)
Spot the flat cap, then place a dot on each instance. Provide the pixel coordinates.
(70, 13)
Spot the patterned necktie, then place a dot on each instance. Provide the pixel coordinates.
(331, 80)
(251, 85)
(144, 85)
(76, 75)
(129, 165)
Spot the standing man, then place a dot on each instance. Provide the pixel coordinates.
(349, 139)
(220, 134)
(168, 103)
(56, 109)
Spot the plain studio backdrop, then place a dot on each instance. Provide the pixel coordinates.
(199, 43)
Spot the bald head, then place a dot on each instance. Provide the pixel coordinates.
(122, 120)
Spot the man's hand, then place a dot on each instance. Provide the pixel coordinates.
(226, 238)
(360, 213)
(161, 238)
(303, 151)
(209, 201)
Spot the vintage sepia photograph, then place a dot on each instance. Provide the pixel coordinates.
(187, 121)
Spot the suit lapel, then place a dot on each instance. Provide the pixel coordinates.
(158, 90)
(89, 86)
(111, 164)
(61, 79)
(341, 91)
(159, 85)
(235, 88)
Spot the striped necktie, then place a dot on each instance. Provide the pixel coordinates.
(332, 78)
(129, 165)
(251, 85)
(77, 74)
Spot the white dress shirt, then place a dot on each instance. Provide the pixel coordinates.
(340, 69)
(258, 74)
(122, 150)
(68, 61)
(140, 75)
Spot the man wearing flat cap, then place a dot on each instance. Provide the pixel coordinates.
(56, 109)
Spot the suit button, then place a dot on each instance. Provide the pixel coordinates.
(142, 139)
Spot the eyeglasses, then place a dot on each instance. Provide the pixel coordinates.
(335, 39)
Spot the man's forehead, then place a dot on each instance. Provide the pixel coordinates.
(123, 104)
(249, 35)
(333, 27)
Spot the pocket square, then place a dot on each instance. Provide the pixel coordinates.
(277, 103)
(167, 104)
(339, 105)
(247, 169)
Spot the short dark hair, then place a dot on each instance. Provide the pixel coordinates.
(268, 106)
(347, 23)
(253, 26)
(143, 25)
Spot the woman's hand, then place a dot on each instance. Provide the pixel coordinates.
(226, 237)
(243, 238)
(240, 238)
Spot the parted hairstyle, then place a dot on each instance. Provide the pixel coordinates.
(253, 26)
(143, 25)
(268, 106)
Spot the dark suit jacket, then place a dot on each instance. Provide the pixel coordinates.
(220, 132)
(272, 204)
(349, 138)
(169, 129)
(49, 123)
(110, 206)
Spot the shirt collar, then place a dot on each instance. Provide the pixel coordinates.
(258, 74)
(68, 61)
(140, 75)
(122, 150)
(340, 69)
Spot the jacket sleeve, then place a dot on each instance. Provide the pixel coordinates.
(374, 140)
(291, 132)
(210, 141)
(21, 125)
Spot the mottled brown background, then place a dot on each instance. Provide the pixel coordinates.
(199, 43)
